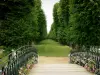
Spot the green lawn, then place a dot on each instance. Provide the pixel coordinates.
(52, 48)
(49, 42)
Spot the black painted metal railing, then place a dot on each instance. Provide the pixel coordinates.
(88, 58)
(19, 58)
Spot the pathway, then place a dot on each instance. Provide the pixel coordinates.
(57, 66)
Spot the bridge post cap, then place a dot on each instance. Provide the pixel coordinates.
(0, 71)
(12, 50)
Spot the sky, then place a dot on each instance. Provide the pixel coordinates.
(47, 6)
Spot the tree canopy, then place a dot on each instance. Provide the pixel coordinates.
(21, 22)
(77, 21)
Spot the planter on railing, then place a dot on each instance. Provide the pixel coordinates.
(20, 58)
(88, 59)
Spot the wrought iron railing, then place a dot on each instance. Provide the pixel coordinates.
(88, 58)
(20, 57)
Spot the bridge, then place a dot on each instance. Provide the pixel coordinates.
(19, 58)
(57, 66)
(50, 66)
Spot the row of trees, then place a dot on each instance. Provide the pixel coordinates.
(21, 22)
(76, 22)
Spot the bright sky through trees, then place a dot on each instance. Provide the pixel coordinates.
(47, 6)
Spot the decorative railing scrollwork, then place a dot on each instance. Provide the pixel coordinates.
(19, 58)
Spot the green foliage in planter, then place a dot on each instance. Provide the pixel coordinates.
(25, 69)
(91, 63)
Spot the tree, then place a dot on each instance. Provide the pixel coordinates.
(77, 21)
(52, 33)
(61, 20)
(19, 22)
(41, 26)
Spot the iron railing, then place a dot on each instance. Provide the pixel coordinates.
(20, 57)
(88, 58)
